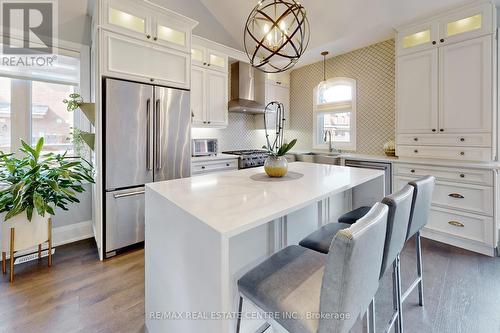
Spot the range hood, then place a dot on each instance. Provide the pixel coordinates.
(247, 89)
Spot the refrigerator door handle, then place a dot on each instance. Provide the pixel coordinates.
(149, 155)
(158, 134)
(128, 194)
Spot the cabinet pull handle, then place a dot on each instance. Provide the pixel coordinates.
(227, 164)
(462, 175)
(208, 65)
(155, 38)
(462, 153)
(152, 80)
(462, 139)
(412, 170)
(204, 64)
(415, 139)
(434, 130)
(441, 40)
(128, 194)
(148, 36)
(456, 224)
(456, 195)
(441, 130)
(416, 151)
(203, 167)
(434, 42)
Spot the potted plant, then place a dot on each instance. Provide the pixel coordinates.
(31, 187)
(276, 164)
(75, 101)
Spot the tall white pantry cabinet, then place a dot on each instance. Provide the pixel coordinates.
(446, 120)
(125, 33)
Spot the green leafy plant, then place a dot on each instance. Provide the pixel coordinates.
(73, 102)
(281, 150)
(40, 182)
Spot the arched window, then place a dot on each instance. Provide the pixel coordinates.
(335, 112)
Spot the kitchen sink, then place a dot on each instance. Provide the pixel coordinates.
(320, 158)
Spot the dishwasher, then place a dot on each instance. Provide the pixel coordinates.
(384, 166)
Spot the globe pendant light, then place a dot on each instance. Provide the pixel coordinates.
(276, 35)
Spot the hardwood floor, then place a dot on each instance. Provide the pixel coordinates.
(81, 294)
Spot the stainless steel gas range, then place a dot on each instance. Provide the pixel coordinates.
(249, 158)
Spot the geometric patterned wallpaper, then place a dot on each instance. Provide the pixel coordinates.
(373, 68)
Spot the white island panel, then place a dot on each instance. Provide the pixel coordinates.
(204, 233)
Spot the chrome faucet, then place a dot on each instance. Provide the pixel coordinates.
(328, 138)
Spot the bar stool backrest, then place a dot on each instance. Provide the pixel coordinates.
(422, 199)
(397, 224)
(352, 271)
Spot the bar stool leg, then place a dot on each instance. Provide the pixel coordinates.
(399, 296)
(238, 320)
(420, 270)
(370, 317)
(12, 234)
(395, 313)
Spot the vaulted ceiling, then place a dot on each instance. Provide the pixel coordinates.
(338, 26)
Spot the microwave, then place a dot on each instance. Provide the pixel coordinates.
(204, 147)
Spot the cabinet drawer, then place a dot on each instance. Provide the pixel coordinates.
(213, 166)
(473, 198)
(467, 140)
(483, 177)
(451, 153)
(469, 226)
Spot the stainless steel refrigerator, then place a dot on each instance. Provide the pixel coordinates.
(147, 139)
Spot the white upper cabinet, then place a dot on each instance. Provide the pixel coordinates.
(417, 92)
(209, 85)
(417, 38)
(445, 88)
(208, 58)
(217, 91)
(466, 83)
(466, 24)
(146, 43)
(276, 91)
(458, 25)
(198, 108)
(122, 58)
(127, 17)
(149, 22)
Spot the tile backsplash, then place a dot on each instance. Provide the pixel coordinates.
(239, 134)
(373, 68)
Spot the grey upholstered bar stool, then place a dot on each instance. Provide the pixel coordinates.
(400, 204)
(299, 281)
(422, 199)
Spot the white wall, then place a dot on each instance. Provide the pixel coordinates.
(208, 26)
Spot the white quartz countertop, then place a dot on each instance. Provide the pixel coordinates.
(409, 160)
(232, 202)
(214, 158)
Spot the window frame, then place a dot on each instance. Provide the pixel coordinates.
(21, 124)
(319, 110)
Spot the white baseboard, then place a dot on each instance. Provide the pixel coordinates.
(72, 233)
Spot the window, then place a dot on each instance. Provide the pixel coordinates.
(31, 104)
(335, 112)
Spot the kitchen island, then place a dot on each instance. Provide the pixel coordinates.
(203, 233)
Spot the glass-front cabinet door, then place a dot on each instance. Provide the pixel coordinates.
(171, 34)
(128, 18)
(466, 24)
(217, 61)
(198, 55)
(417, 38)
